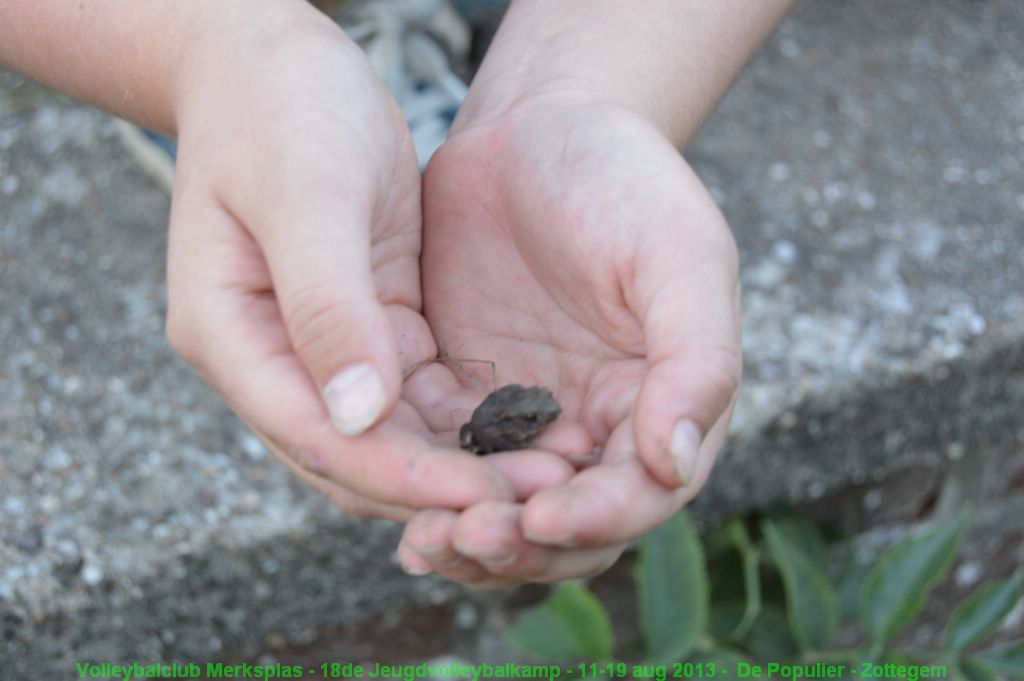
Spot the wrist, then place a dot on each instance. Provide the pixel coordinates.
(231, 42)
(565, 53)
(668, 61)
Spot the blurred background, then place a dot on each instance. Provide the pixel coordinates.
(871, 164)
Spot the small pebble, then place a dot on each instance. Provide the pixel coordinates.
(954, 173)
(466, 616)
(92, 574)
(968, 574)
(778, 172)
(29, 541)
(834, 191)
(785, 251)
(983, 176)
(253, 448)
(866, 200)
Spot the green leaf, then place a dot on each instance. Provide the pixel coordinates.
(896, 587)
(717, 541)
(724, 617)
(1008, 661)
(972, 670)
(723, 659)
(804, 534)
(849, 589)
(897, 659)
(725, 578)
(981, 613)
(751, 577)
(770, 637)
(810, 599)
(672, 589)
(570, 625)
(736, 583)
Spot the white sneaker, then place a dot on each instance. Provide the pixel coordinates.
(401, 39)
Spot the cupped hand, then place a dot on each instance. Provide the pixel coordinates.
(293, 268)
(570, 243)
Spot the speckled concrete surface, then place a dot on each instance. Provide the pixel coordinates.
(870, 162)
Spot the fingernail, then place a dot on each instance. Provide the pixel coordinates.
(415, 570)
(507, 559)
(431, 550)
(492, 555)
(567, 542)
(355, 398)
(685, 449)
(591, 457)
(448, 564)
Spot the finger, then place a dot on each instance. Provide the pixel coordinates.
(568, 439)
(317, 247)
(489, 533)
(412, 562)
(238, 341)
(531, 470)
(690, 313)
(348, 502)
(428, 536)
(613, 502)
(426, 544)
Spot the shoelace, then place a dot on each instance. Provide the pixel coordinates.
(398, 37)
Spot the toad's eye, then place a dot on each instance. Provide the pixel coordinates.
(530, 416)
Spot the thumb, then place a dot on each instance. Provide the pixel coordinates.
(323, 279)
(692, 331)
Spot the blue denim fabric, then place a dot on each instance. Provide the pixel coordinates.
(475, 11)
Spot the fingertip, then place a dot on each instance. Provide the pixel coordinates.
(454, 480)
(430, 530)
(412, 562)
(674, 411)
(487, 530)
(548, 518)
(356, 398)
(569, 440)
(531, 471)
(684, 447)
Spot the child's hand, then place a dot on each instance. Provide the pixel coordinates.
(293, 267)
(568, 241)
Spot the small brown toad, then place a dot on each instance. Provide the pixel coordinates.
(508, 418)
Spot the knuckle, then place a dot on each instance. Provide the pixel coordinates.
(320, 320)
(603, 566)
(723, 370)
(353, 505)
(722, 246)
(717, 252)
(311, 458)
(183, 335)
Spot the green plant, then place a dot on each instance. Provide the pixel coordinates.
(770, 599)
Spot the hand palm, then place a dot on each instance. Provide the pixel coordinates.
(528, 256)
(576, 250)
